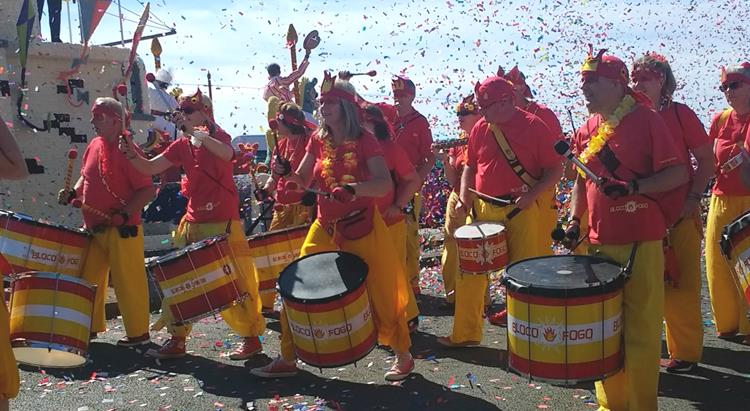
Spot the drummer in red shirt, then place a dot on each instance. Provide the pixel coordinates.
(113, 194)
(629, 145)
(652, 75)
(729, 199)
(411, 132)
(347, 162)
(453, 166)
(488, 170)
(205, 153)
(406, 181)
(548, 215)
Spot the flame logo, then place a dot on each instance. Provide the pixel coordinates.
(319, 333)
(549, 334)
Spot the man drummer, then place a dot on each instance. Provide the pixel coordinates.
(113, 194)
(205, 153)
(12, 167)
(524, 100)
(527, 143)
(630, 146)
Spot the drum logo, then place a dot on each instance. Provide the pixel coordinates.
(58, 259)
(319, 333)
(629, 207)
(550, 334)
(484, 253)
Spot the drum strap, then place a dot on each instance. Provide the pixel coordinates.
(631, 261)
(511, 158)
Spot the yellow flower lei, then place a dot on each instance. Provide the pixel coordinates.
(329, 158)
(605, 130)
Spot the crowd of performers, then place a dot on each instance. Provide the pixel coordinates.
(366, 162)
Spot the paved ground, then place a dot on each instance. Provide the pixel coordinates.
(124, 379)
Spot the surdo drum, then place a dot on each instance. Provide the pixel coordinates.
(564, 318)
(199, 280)
(328, 308)
(50, 319)
(482, 247)
(735, 246)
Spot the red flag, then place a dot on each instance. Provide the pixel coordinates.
(137, 38)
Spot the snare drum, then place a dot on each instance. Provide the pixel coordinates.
(564, 318)
(735, 245)
(199, 280)
(34, 245)
(272, 251)
(482, 247)
(50, 319)
(328, 308)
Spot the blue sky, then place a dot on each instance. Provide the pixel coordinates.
(444, 46)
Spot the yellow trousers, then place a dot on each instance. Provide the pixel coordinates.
(547, 220)
(412, 242)
(122, 258)
(728, 306)
(244, 318)
(386, 283)
(449, 259)
(471, 288)
(9, 381)
(289, 215)
(635, 386)
(682, 304)
(398, 236)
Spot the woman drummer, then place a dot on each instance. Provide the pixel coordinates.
(348, 163)
(205, 153)
(12, 167)
(406, 182)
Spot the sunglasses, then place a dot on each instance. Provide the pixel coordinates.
(730, 86)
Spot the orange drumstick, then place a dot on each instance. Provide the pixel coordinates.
(72, 155)
(116, 220)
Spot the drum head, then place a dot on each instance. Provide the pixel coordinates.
(322, 277)
(166, 258)
(479, 229)
(733, 233)
(564, 276)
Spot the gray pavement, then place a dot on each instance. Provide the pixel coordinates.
(123, 379)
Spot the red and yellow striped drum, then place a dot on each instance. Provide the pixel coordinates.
(735, 245)
(50, 319)
(199, 280)
(328, 308)
(482, 247)
(34, 245)
(564, 318)
(274, 250)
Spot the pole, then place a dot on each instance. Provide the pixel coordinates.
(70, 30)
(122, 31)
(210, 93)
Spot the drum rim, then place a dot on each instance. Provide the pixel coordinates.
(173, 255)
(503, 229)
(599, 288)
(26, 343)
(36, 222)
(338, 364)
(268, 234)
(327, 299)
(52, 276)
(737, 225)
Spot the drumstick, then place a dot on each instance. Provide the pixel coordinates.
(562, 148)
(489, 197)
(116, 219)
(371, 73)
(72, 155)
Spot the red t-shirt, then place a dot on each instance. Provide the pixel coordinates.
(294, 151)
(119, 182)
(546, 115)
(208, 183)
(400, 167)
(366, 147)
(528, 137)
(726, 137)
(643, 145)
(412, 133)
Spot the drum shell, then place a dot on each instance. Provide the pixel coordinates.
(50, 319)
(480, 255)
(199, 280)
(565, 339)
(32, 245)
(735, 246)
(274, 250)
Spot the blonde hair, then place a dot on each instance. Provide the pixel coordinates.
(350, 111)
